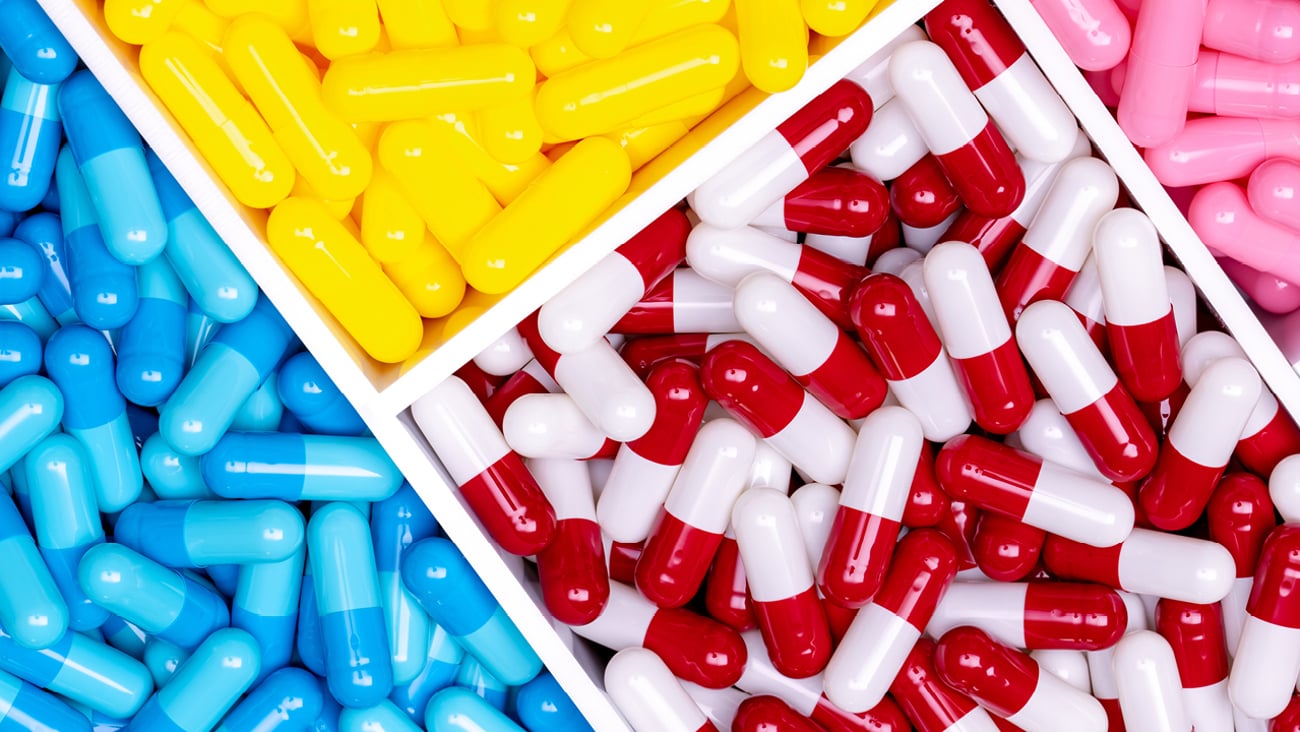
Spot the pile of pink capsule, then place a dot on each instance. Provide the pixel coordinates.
(901, 423)
(1210, 91)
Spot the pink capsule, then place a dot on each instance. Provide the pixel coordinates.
(956, 129)
(896, 332)
(1150, 693)
(1273, 190)
(802, 145)
(589, 307)
(820, 356)
(754, 390)
(996, 67)
(684, 302)
(1094, 33)
(492, 477)
(932, 705)
(1006, 549)
(1199, 444)
(1059, 238)
(1035, 615)
(531, 379)
(1223, 219)
(645, 468)
(552, 426)
(1235, 86)
(862, 538)
(890, 145)
(1270, 292)
(877, 644)
(1086, 391)
(1161, 69)
(649, 696)
(571, 569)
(977, 337)
(1140, 324)
(1147, 562)
(836, 200)
(1268, 30)
(1211, 149)
(1195, 633)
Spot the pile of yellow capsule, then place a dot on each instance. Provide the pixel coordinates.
(409, 148)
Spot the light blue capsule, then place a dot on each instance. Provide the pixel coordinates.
(461, 710)
(542, 706)
(20, 351)
(104, 291)
(288, 700)
(124, 636)
(261, 411)
(102, 678)
(205, 686)
(21, 271)
(33, 44)
(383, 717)
(266, 605)
(477, 679)
(294, 467)
(314, 399)
(162, 659)
(65, 516)
(357, 664)
(308, 642)
(99, 722)
(30, 409)
(160, 601)
(30, 604)
(449, 590)
(80, 361)
(25, 708)
(442, 663)
(110, 156)
(212, 274)
(30, 135)
(44, 232)
(151, 352)
(395, 524)
(189, 534)
(172, 476)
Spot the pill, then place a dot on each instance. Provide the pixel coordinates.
(572, 568)
(774, 42)
(1095, 33)
(285, 697)
(104, 289)
(34, 45)
(647, 692)
(442, 661)
(1146, 674)
(30, 132)
(1148, 562)
(265, 604)
(205, 686)
(928, 702)
(1261, 29)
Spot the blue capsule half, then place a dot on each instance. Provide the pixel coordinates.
(308, 392)
(30, 135)
(151, 349)
(441, 664)
(20, 351)
(308, 642)
(31, 606)
(293, 467)
(33, 44)
(542, 706)
(461, 710)
(44, 232)
(205, 686)
(288, 700)
(477, 679)
(266, 602)
(383, 717)
(162, 659)
(21, 271)
(395, 524)
(104, 291)
(82, 670)
(261, 411)
(190, 534)
(30, 408)
(24, 708)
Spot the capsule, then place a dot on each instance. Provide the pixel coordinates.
(649, 696)
(835, 201)
(543, 706)
(929, 703)
(531, 379)
(774, 43)
(1035, 615)
(726, 588)
(552, 426)
(1161, 68)
(151, 347)
(572, 568)
(265, 604)
(21, 353)
(891, 145)
(441, 665)
(30, 133)
(104, 289)
(1147, 562)
(205, 686)
(199, 533)
(31, 606)
(1095, 33)
(307, 391)
(445, 585)
(280, 701)
(1271, 187)
(81, 670)
(1196, 636)
(1150, 694)
(27, 706)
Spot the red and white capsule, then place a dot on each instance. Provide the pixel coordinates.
(977, 337)
(683, 302)
(492, 477)
(862, 538)
(836, 200)
(802, 145)
(645, 468)
(956, 129)
(1200, 443)
(1086, 391)
(1085, 298)
(882, 635)
(726, 589)
(571, 569)
(789, 612)
(1006, 549)
(815, 505)
(922, 196)
(897, 333)
(1267, 661)
(644, 353)
(1035, 615)
(1048, 435)
(762, 713)
(686, 535)
(649, 696)
(589, 307)
(1148, 563)
(1011, 684)
(1239, 516)
(1059, 238)
(890, 145)
(1139, 314)
(505, 355)
(1150, 692)
(754, 390)
(820, 356)
(1195, 634)
(929, 703)
(552, 426)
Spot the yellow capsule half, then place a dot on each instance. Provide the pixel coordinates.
(526, 23)
(221, 122)
(429, 278)
(474, 15)
(602, 28)
(773, 42)
(416, 24)
(391, 228)
(505, 180)
(550, 213)
(326, 151)
(453, 203)
(691, 107)
(557, 54)
(510, 131)
(342, 28)
(418, 83)
(139, 21)
(643, 144)
(835, 18)
(608, 95)
(338, 272)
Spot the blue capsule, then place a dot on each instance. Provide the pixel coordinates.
(309, 643)
(151, 352)
(30, 135)
(35, 46)
(187, 534)
(160, 601)
(461, 710)
(542, 706)
(200, 328)
(357, 666)
(445, 585)
(261, 411)
(224, 577)
(266, 605)
(205, 686)
(44, 232)
(110, 156)
(442, 663)
(396, 523)
(288, 700)
(102, 678)
(474, 677)
(80, 361)
(294, 467)
(328, 720)
(24, 708)
(383, 717)
(171, 474)
(20, 351)
(30, 604)
(21, 271)
(162, 659)
(30, 409)
(228, 371)
(8, 222)
(123, 636)
(65, 515)
(104, 291)
(32, 314)
(313, 398)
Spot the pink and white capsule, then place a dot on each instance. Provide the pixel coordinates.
(552, 426)
(684, 302)
(649, 696)
(505, 355)
(1267, 662)
(1150, 691)
(1139, 314)
(890, 145)
(1199, 444)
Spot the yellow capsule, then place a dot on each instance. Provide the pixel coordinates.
(291, 15)
(526, 23)
(643, 144)
(452, 202)
(201, 23)
(608, 95)
(391, 228)
(505, 180)
(773, 42)
(418, 83)
(835, 17)
(368, 133)
(550, 213)
(691, 107)
(602, 28)
(339, 208)
(221, 122)
(416, 24)
(326, 151)
(139, 21)
(336, 270)
(429, 278)
(510, 131)
(557, 54)
(342, 28)
(670, 16)
(475, 15)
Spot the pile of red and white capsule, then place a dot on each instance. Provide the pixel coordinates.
(800, 477)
